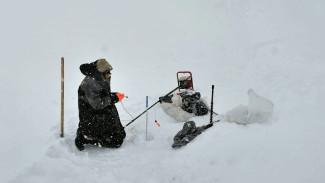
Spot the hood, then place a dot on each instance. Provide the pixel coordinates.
(88, 69)
(100, 65)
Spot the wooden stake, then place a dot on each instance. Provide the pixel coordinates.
(62, 97)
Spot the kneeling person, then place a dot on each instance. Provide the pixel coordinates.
(99, 121)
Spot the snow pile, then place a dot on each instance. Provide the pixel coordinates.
(176, 112)
(259, 110)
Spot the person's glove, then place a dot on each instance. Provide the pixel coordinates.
(120, 96)
(209, 125)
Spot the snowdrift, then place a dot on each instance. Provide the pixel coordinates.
(259, 110)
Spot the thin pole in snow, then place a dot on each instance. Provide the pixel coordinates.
(62, 97)
(146, 118)
(211, 112)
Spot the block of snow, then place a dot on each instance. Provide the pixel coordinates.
(259, 110)
(238, 114)
(259, 107)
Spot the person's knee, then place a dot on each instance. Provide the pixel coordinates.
(111, 142)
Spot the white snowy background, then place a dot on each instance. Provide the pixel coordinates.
(274, 47)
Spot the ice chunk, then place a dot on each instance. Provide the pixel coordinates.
(259, 107)
(259, 110)
(238, 114)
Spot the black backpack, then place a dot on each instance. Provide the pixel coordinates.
(191, 103)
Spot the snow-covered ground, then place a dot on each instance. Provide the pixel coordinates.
(274, 47)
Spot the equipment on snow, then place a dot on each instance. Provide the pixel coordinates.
(160, 100)
(190, 131)
(191, 103)
(186, 103)
(184, 81)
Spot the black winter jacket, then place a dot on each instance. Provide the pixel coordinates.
(99, 118)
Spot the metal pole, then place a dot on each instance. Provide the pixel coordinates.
(211, 112)
(147, 118)
(62, 97)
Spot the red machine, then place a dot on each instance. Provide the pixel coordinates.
(185, 78)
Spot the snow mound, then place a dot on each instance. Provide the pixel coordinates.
(259, 110)
(174, 109)
(176, 112)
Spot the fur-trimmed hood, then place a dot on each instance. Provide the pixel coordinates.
(100, 65)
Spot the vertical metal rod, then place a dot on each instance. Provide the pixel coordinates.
(62, 97)
(211, 112)
(147, 118)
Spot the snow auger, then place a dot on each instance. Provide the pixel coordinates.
(185, 103)
(160, 100)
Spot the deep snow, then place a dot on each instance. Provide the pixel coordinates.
(274, 47)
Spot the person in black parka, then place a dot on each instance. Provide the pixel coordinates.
(99, 120)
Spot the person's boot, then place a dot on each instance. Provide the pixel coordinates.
(80, 141)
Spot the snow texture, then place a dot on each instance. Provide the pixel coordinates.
(274, 47)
